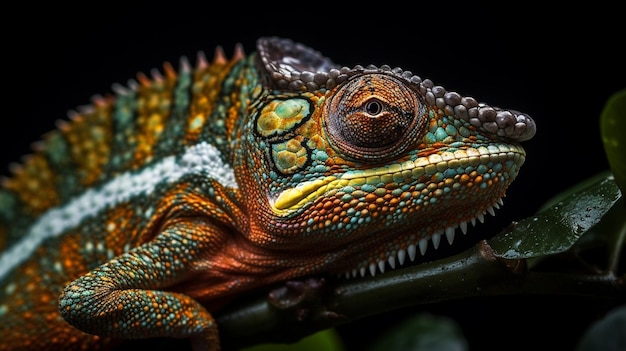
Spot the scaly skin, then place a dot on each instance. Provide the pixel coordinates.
(155, 205)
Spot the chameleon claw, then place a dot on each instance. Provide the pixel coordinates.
(303, 297)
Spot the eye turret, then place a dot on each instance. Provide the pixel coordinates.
(373, 117)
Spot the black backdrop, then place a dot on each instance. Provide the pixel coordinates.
(559, 66)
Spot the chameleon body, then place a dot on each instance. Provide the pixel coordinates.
(146, 210)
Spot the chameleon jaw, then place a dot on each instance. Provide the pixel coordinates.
(409, 253)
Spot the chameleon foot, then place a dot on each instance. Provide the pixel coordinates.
(304, 297)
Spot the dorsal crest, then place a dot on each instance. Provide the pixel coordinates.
(116, 131)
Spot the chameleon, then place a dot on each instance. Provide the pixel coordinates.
(150, 208)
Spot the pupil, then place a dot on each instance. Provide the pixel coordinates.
(373, 107)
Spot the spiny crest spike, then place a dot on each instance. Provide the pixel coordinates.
(98, 100)
(201, 61)
(185, 66)
(143, 79)
(239, 52)
(49, 134)
(63, 125)
(170, 72)
(26, 160)
(120, 89)
(38, 146)
(156, 75)
(4, 181)
(15, 168)
(74, 116)
(85, 109)
(219, 58)
(133, 84)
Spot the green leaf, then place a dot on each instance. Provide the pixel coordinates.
(555, 228)
(607, 333)
(324, 340)
(613, 130)
(423, 332)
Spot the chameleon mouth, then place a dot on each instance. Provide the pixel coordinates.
(409, 253)
(295, 198)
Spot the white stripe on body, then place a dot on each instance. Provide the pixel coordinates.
(200, 158)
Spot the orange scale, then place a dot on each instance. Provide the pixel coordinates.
(326, 204)
(370, 197)
(360, 206)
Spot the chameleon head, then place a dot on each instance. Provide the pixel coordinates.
(370, 163)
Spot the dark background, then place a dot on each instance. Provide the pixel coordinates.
(559, 66)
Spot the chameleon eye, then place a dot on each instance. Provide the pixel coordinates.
(373, 117)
